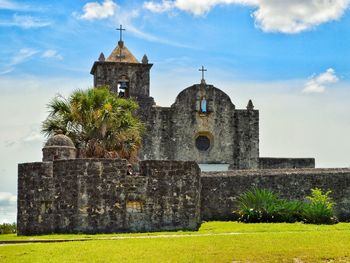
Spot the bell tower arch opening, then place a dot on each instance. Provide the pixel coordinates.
(123, 87)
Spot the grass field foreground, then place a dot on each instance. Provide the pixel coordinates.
(253, 243)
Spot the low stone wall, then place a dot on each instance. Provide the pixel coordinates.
(35, 198)
(71, 196)
(221, 189)
(172, 199)
(285, 163)
(97, 196)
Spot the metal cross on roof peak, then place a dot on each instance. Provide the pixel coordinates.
(121, 29)
(203, 70)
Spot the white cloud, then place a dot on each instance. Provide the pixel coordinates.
(294, 16)
(289, 16)
(317, 84)
(8, 207)
(6, 70)
(11, 5)
(108, 9)
(164, 6)
(126, 18)
(152, 38)
(201, 7)
(22, 56)
(7, 199)
(29, 22)
(32, 137)
(50, 53)
(25, 22)
(95, 10)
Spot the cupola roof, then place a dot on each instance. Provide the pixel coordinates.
(122, 54)
(59, 140)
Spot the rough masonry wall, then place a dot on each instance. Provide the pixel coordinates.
(97, 196)
(172, 200)
(35, 198)
(90, 195)
(189, 122)
(284, 163)
(246, 150)
(71, 196)
(158, 142)
(171, 132)
(221, 189)
(110, 73)
(51, 153)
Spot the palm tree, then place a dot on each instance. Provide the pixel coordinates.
(99, 123)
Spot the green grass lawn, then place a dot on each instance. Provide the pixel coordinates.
(254, 243)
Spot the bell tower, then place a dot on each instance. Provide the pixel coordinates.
(123, 73)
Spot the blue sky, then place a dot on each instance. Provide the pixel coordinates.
(290, 57)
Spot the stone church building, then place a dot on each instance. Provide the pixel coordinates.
(169, 191)
(203, 125)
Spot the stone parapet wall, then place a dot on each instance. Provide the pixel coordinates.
(35, 198)
(97, 196)
(220, 190)
(172, 199)
(283, 163)
(90, 195)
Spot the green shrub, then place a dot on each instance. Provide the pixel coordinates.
(262, 205)
(290, 211)
(319, 208)
(257, 205)
(6, 228)
(318, 197)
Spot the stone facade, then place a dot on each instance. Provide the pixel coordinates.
(173, 132)
(221, 189)
(98, 196)
(203, 125)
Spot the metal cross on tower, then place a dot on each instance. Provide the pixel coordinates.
(203, 70)
(120, 42)
(121, 29)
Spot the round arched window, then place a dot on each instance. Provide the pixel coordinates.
(202, 143)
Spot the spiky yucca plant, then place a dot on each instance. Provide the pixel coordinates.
(262, 205)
